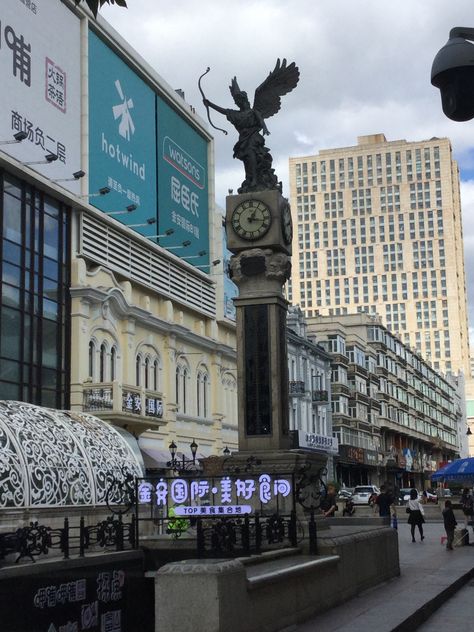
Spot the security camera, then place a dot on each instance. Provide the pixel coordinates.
(453, 73)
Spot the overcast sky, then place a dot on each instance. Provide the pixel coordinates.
(364, 65)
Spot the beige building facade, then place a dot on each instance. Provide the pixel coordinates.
(379, 230)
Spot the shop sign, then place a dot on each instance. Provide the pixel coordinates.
(40, 96)
(356, 454)
(317, 442)
(371, 457)
(225, 494)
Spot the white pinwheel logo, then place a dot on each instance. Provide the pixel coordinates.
(122, 111)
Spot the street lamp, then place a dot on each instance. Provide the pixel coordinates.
(183, 464)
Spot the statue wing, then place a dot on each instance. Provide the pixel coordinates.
(234, 88)
(281, 80)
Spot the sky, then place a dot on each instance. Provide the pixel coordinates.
(364, 68)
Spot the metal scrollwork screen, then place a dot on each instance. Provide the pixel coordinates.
(56, 458)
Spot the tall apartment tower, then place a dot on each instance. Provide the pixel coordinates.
(379, 229)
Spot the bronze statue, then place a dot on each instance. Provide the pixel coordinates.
(250, 123)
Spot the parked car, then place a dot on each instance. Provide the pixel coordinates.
(363, 493)
(345, 493)
(429, 496)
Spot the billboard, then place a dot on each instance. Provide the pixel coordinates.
(122, 133)
(183, 203)
(40, 96)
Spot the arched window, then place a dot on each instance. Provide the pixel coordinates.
(113, 364)
(185, 377)
(155, 375)
(91, 359)
(147, 369)
(138, 367)
(102, 360)
(178, 385)
(202, 395)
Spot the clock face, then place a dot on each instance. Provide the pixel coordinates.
(251, 219)
(286, 224)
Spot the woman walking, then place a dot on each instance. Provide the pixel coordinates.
(417, 513)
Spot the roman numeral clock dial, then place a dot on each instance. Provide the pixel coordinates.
(251, 219)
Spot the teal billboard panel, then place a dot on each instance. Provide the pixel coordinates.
(183, 203)
(122, 139)
(230, 289)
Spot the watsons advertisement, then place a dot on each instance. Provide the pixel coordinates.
(183, 204)
(122, 129)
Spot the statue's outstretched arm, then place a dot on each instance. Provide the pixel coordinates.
(215, 107)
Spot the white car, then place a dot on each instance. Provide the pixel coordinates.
(362, 494)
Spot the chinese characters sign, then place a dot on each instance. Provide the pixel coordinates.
(317, 442)
(122, 150)
(217, 496)
(40, 96)
(183, 203)
(132, 403)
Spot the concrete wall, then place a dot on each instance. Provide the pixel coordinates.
(245, 596)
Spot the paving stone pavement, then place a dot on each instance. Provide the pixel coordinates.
(427, 569)
(456, 615)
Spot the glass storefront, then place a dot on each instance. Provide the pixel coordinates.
(34, 309)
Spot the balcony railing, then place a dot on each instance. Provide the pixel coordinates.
(296, 387)
(319, 396)
(118, 398)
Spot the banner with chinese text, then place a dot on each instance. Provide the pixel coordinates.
(40, 96)
(122, 138)
(183, 203)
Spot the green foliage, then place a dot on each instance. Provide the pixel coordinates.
(95, 5)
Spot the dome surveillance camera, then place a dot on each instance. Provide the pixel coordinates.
(453, 73)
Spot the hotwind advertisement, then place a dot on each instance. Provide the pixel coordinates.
(183, 204)
(40, 95)
(122, 137)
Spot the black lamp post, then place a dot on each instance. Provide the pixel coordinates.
(183, 464)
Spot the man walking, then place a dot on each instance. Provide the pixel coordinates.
(384, 501)
(449, 524)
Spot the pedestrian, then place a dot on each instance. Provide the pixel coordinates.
(449, 524)
(394, 521)
(384, 501)
(467, 505)
(416, 513)
(328, 504)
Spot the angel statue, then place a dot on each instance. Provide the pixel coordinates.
(250, 123)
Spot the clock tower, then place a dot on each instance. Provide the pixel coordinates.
(259, 233)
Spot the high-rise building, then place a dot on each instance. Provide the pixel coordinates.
(379, 230)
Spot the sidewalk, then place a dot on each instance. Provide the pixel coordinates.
(429, 576)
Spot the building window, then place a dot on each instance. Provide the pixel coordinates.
(34, 311)
(102, 361)
(91, 359)
(113, 364)
(138, 370)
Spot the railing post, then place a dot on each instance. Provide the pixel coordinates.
(119, 533)
(65, 539)
(258, 533)
(82, 537)
(133, 526)
(292, 529)
(246, 535)
(199, 538)
(313, 536)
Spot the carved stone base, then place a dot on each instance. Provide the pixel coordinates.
(260, 272)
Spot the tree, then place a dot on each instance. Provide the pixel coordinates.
(95, 5)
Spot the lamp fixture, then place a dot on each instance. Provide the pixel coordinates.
(181, 465)
(148, 222)
(185, 244)
(17, 138)
(77, 175)
(214, 263)
(469, 432)
(128, 209)
(49, 158)
(101, 191)
(201, 253)
(226, 451)
(167, 233)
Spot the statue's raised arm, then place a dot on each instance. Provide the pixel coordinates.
(250, 123)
